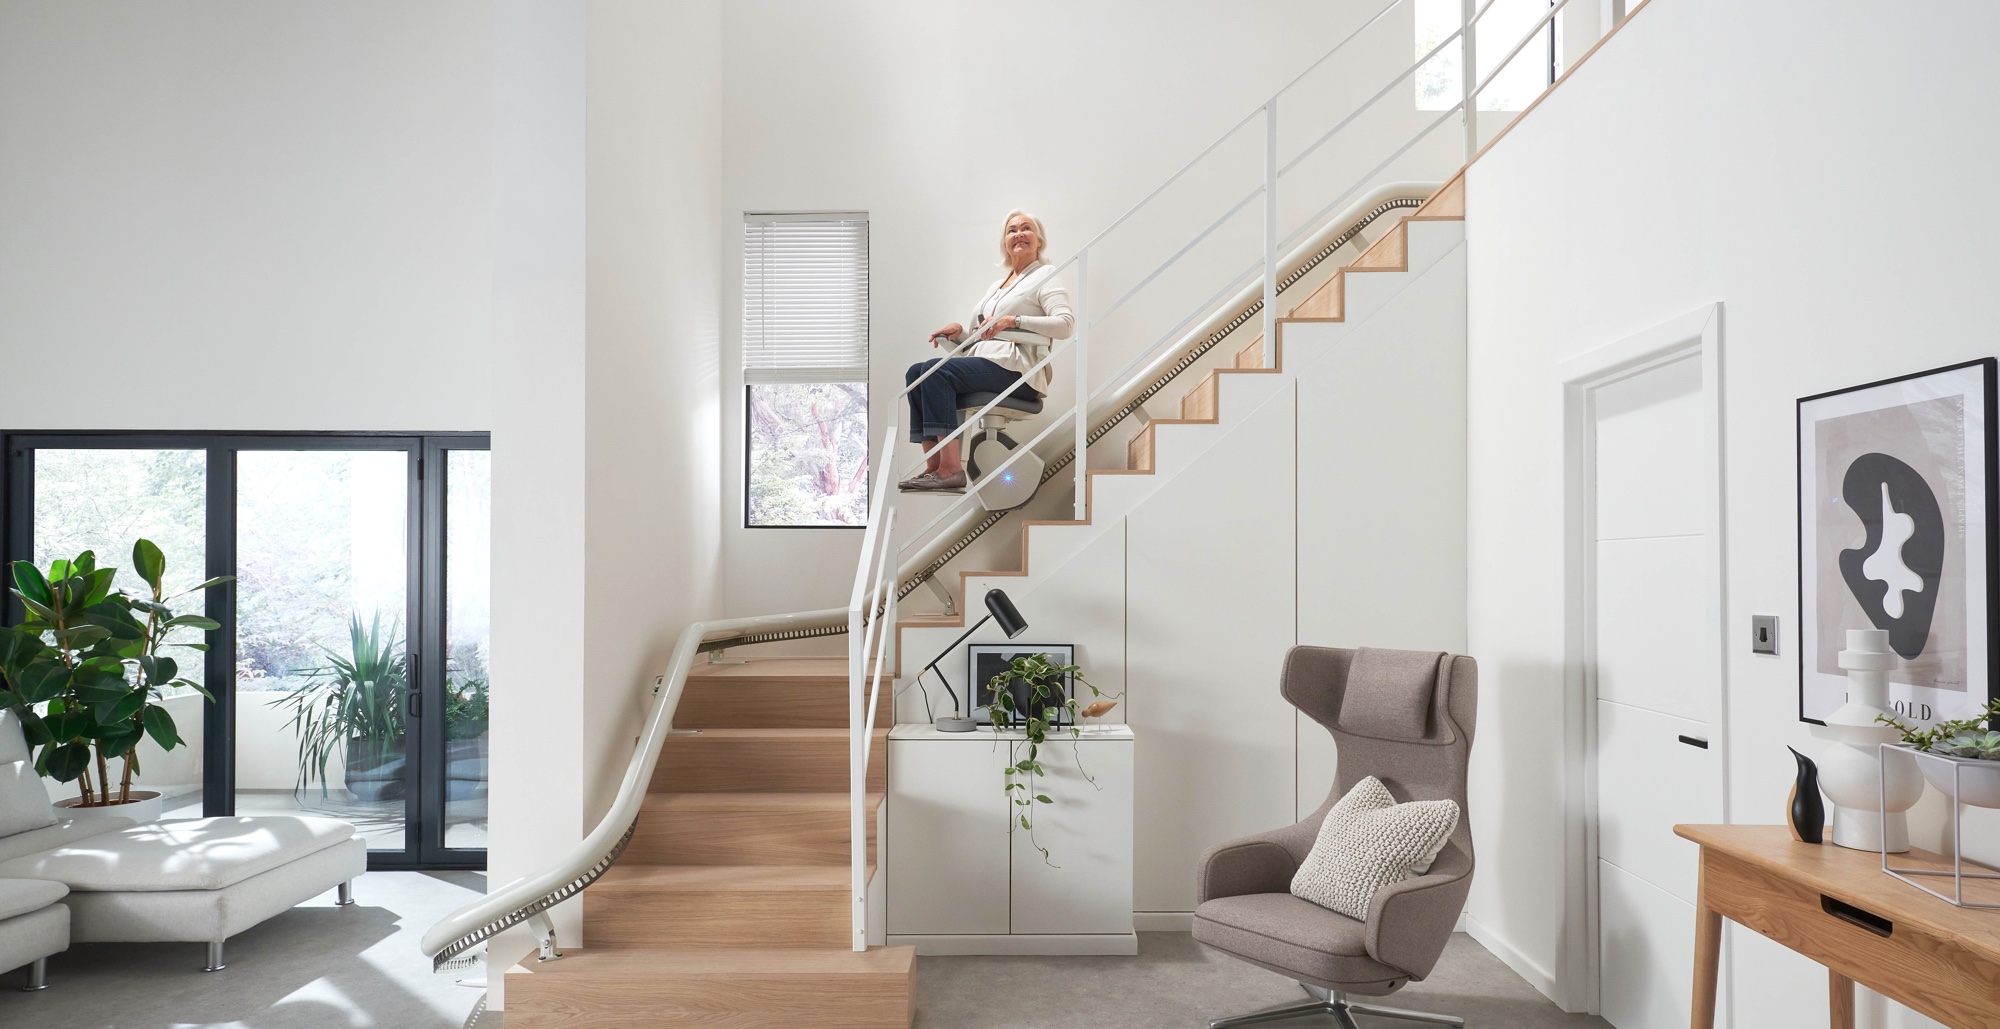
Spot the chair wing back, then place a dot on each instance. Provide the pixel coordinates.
(1405, 717)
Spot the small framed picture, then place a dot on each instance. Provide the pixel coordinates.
(1897, 487)
(987, 660)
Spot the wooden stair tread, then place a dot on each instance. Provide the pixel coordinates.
(682, 963)
(696, 736)
(694, 803)
(740, 878)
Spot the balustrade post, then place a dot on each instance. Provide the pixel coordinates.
(1469, 74)
(1082, 460)
(1271, 233)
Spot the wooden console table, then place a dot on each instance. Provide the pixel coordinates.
(1835, 906)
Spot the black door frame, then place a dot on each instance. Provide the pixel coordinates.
(424, 826)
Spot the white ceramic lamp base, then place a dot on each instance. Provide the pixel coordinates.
(1851, 768)
(1863, 830)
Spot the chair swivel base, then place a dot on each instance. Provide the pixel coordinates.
(1336, 1004)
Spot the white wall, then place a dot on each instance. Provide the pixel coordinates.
(937, 118)
(225, 214)
(538, 727)
(1761, 155)
(604, 434)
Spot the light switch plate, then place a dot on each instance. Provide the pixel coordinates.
(1763, 634)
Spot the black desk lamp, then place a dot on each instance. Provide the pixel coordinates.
(998, 608)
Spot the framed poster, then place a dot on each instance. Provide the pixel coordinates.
(1896, 532)
(989, 660)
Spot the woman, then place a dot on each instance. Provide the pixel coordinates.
(1028, 298)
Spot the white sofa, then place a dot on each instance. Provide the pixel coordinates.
(102, 879)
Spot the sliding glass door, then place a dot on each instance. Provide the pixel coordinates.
(349, 674)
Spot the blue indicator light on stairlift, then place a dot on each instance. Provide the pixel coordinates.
(1006, 476)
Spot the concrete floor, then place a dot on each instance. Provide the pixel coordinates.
(1175, 982)
(313, 967)
(321, 966)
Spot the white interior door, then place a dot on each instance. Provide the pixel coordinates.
(1657, 685)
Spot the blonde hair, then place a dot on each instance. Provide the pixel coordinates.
(1040, 235)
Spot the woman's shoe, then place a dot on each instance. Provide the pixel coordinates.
(914, 483)
(929, 483)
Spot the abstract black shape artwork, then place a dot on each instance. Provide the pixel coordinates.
(1897, 505)
(1905, 535)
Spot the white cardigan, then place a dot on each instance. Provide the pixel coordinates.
(1041, 303)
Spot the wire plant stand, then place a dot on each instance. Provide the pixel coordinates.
(1957, 872)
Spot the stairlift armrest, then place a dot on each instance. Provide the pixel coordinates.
(1409, 922)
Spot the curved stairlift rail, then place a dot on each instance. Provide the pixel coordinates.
(869, 618)
(453, 939)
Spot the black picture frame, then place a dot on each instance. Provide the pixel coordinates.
(1930, 442)
(985, 660)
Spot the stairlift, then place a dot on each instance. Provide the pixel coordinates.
(988, 445)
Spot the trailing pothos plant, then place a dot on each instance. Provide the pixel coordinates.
(1045, 705)
(90, 658)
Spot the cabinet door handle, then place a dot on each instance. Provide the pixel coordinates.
(1693, 742)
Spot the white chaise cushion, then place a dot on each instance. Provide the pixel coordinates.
(24, 800)
(181, 854)
(69, 830)
(20, 896)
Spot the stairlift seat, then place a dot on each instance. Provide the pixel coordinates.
(1011, 408)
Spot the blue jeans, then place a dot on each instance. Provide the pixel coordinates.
(934, 405)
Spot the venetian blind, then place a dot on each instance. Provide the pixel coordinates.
(805, 298)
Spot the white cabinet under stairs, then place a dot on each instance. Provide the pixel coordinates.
(962, 877)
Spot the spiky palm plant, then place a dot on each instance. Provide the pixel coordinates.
(355, 702)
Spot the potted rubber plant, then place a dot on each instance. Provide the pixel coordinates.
(354, 706)
(86, 669)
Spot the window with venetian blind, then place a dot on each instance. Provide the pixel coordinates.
(805, 369)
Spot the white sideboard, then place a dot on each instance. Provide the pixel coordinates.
(961, 875)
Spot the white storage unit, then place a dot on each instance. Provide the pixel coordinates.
(962, 876)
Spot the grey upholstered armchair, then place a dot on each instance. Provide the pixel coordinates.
(1406, 718)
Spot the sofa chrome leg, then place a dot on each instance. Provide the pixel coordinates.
(38, 976)
(1406, 1015)
(215, 957)
(1316, 1007)
(344, 896)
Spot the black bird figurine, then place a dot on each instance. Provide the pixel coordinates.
(1807, 815)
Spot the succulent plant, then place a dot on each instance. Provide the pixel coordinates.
(1982, 745)
(1973, 737)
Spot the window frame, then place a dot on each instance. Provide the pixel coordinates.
(425, 595)
(866, 369)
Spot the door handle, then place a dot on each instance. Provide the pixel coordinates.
(413, 700)
(1693, 742)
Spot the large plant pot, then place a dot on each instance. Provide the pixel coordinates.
(145, 806)
(1978, 781)
(465, 768)
(375, 768)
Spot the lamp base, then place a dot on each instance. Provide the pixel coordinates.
(954, 723)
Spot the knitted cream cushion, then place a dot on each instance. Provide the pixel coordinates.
(1369, 841)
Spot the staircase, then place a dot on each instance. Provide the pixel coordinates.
(1201, 411)
(731, 905)
(729, 908)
